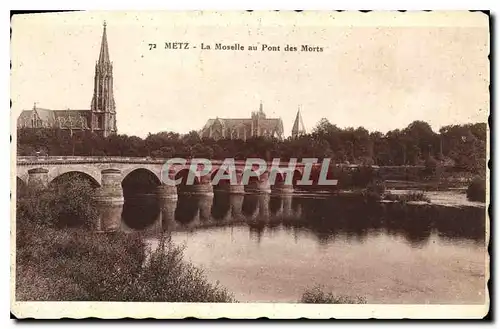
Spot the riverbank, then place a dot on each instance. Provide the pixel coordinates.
(450, 198)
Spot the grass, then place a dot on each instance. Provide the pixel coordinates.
(317, 295)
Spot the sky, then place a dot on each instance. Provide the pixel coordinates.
(377, 70)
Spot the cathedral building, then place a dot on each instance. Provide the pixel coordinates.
(100, 118)
(257, 125)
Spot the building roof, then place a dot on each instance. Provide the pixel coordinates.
(268, 124)
(71, 118)
(65, 119)
(298, 125)
(24, 117)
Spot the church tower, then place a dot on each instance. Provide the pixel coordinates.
(298, 126)
(103, 114)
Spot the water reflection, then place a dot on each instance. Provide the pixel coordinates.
(326, 218)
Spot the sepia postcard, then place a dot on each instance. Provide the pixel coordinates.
(313, 164)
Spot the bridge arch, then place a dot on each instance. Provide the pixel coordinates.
(183, 175)
(187, 210)
(226, 181)
(139, 181)
(129, 170)
(252, 177)
(93, 173)
(74, 174)
(139, 216)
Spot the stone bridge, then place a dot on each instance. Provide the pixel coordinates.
(204, 211)
(110, 173)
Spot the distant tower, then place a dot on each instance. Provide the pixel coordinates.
(298, 126)
(257, 117)
(103, 114)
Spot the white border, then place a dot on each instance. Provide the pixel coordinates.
(189, 4)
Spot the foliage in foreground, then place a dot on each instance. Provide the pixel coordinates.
(167, 277)
(477, 190)
(59, 263)
(316, 295)
(76, 265)
(66, 203)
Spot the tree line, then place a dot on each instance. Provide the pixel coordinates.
(462, 147)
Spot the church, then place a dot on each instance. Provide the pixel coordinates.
(255, 126)
(100, 118)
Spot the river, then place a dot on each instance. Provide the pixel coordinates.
(271, 248)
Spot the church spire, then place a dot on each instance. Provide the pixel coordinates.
(104, 53)
(298, 126)
(103, 113)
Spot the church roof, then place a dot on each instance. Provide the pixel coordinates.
(55, 118)
(45, 115)
(71, 118)
(24, 117)
(268, 124)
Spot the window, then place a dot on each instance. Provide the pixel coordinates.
(100, 124)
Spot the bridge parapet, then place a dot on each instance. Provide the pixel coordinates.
(27, 160)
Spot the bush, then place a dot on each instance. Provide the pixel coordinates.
(477, 190)
(76, 265)
(375, 190)
(362, 176)
(316, 295)
(408, 196)
(68, 203)
(433, 169)
(167, 277)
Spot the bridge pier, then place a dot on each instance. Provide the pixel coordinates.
(204, 188)
(109, 217)
(109, 200)
(280, 188)
(167, 208)
(232, 189)
(111, 191)
(205, 207)
(38, 178)
(236, 205)
(263, 207)
(260, 187)
(285, 206)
